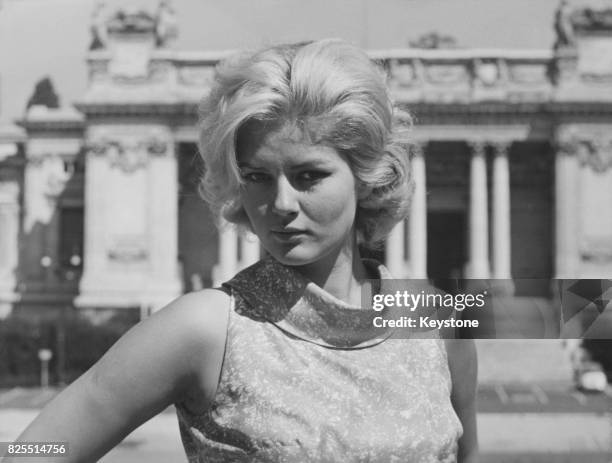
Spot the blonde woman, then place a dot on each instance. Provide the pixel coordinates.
(302, 146)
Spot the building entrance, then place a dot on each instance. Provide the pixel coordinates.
(446, 246)
(197, 234)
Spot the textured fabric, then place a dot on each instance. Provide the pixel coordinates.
(305, 378)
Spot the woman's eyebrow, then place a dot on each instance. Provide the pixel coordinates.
(248, 165)
(310, 163)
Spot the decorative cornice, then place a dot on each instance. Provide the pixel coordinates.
(41, 118)
(148, 110)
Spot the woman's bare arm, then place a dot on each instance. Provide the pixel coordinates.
(175, 355)
(463, 366)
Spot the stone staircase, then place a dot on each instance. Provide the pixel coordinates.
(523, 361)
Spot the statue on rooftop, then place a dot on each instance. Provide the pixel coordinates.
(165, 24)
(99, 27)
(563, 26)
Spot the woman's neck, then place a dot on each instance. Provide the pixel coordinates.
(341, 273)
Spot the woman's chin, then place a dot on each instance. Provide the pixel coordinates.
(294, 256)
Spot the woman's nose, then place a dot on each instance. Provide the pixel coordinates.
(285, 201)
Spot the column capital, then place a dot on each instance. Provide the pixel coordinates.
(418, 148)
(501, 147)
(477, 147)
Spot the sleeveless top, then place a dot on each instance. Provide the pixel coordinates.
(297, 386)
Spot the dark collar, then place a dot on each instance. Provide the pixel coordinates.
(278, 294)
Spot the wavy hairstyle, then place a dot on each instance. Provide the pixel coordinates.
(338, 97)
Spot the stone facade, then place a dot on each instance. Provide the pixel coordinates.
(512, 162)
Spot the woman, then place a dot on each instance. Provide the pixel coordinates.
(301, 145)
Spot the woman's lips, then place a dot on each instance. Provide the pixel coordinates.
(287, 236)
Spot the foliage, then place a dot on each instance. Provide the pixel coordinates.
(44, 94)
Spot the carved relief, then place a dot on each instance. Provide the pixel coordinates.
(597, 154)
(128, 154)
(130, 64)
(446, 73)
(529, 74)
(163, 24)
(57, 171)
(566, 146)
(403, 74)
(98, 70)
(592, 149)
(56, 183)
(128, 158)
(131, 21)
(487, 73)
(159, 70)
(128, 248)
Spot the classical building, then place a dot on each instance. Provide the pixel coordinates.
(512, 161)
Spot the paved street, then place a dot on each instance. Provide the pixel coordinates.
(517, 424)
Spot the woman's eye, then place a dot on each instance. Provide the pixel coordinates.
(311, 176)
(254, 177)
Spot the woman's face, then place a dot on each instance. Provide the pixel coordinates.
(300, 198)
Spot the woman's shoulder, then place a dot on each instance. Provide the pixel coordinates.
(199, 322)
(203, 313)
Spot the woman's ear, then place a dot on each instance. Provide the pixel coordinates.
(363, 191)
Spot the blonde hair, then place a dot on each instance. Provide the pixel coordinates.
(338, 97)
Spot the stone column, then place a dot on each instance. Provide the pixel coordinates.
(228, 254)
(131, 218)
(94, 255)
(394, 251)
(9, 226)
(162, 191)
(417, 235)
(567, 200)
(478, 261)
(9, 236)
(501, 212)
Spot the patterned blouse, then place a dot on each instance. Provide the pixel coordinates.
(304, 379)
